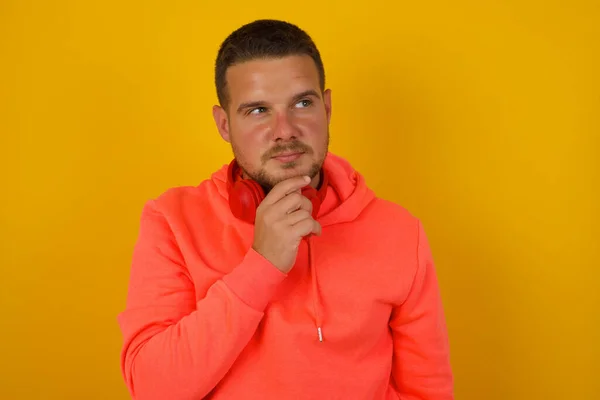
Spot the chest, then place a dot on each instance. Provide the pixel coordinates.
(344, 279)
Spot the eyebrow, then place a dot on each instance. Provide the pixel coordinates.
(255, 104)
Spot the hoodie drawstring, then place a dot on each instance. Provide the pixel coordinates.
(315, 290)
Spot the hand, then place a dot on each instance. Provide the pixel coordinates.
(283, 218)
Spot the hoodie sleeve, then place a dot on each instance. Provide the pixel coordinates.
(174, 346)
(421, 361)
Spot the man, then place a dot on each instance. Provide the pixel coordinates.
(282, 276)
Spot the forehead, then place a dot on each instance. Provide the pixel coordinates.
(271, 79)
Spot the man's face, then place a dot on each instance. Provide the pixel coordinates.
(277, 118)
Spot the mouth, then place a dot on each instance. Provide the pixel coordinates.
(288, 157)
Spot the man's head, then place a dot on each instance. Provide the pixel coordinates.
(274, 109)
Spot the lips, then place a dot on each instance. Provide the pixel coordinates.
(287, 157)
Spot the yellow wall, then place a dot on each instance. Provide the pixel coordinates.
(481, 117)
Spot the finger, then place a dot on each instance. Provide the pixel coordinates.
(306, 227)
(318, 229)
(291, 203)
(297, 216)
(284, 188)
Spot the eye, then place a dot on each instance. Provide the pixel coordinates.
(257, 110)
(304, 103)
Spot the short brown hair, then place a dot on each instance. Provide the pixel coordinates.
(264, 38)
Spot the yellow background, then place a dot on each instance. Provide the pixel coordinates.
(481, 117)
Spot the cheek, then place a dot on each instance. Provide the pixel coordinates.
(315, 129)
(250, 140)
(250, 130)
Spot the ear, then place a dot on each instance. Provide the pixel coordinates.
(327, 102)
(222, 122)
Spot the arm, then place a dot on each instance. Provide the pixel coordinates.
(421, 365)
(174, 347)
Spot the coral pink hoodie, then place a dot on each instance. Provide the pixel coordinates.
(209, 318)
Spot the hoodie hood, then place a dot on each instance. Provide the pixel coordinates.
(347, 193)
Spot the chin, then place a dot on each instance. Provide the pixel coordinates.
(276, 171)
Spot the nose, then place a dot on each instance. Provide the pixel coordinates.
(284, 127)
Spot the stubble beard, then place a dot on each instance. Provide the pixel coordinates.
(267, 181)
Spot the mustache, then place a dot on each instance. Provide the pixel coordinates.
(294, 147)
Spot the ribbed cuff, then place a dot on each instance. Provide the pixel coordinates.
(255, 280)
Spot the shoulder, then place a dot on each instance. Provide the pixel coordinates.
(183, 202)
(177, 195)
(393, 223)
(392, 210)
(391, 213)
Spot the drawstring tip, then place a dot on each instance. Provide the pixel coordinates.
(320, 332)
